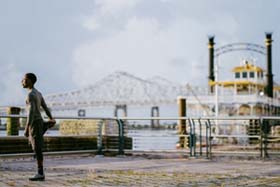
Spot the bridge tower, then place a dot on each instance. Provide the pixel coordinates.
(155, 113)
(120, 107)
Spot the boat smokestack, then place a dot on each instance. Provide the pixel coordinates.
(211, 76)
(269, 75)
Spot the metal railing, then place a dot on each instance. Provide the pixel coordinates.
(204, 141)
(201, 137)
(101, 122)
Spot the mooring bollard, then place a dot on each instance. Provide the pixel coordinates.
(99, 138)
(13, 123)
(182, 113)
(182, 122)
(121, 136)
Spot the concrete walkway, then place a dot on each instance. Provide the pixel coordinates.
(87, 170)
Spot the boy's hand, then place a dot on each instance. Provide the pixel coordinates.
(52, 123)
(26, 132)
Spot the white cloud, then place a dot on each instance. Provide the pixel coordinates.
(144, 37)
(146, 44)
(91, 24)
(108, 14)
(115, 6)
(11, 90)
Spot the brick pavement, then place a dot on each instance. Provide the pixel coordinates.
(86, 170)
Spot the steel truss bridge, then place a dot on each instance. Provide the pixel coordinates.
(117, 89)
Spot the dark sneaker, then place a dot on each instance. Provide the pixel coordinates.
(37, 177)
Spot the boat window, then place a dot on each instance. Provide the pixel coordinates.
(237, 75)
(252, 74)
(244, 74)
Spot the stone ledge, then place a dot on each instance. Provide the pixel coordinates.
(9, 145)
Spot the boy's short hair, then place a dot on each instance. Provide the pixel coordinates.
(32, 77)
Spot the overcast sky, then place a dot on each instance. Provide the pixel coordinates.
(70, 44)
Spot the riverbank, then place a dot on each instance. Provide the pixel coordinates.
(88, 170)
